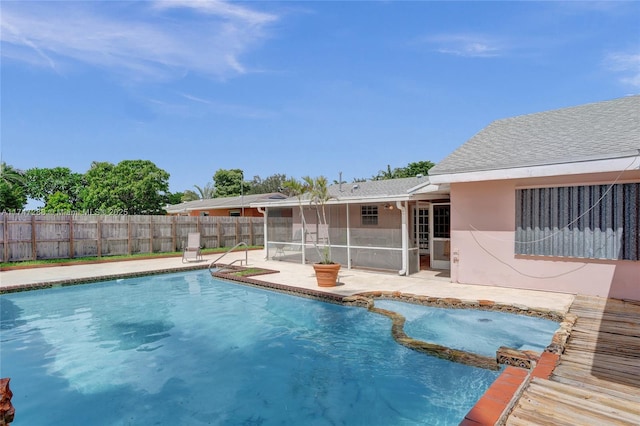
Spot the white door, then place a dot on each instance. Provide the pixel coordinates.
(440, 247)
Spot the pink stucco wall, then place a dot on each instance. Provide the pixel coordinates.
(483, 232)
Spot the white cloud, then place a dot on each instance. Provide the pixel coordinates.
(219, 8)
(234, 110)
(466, 45)
(139, 39)
(627, 65)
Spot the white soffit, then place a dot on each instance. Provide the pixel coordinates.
(431, 189)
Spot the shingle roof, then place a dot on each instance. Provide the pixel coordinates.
(222, 203)
(587, 132)
(376, 188)
(387, 189)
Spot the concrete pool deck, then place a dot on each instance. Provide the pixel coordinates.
(352, 281)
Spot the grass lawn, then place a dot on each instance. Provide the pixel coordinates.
(94, 259)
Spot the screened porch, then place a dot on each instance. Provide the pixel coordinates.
(366, 236)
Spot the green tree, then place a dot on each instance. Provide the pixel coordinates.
(97, 193)
(58, 203)
(12, 197)
(411, 170)
(273, 183)
(175, 197)
(188, 195)
(415, 169)
(131, 186)
(42, 183)
(385, 174)
(12, 188)
(230, 183)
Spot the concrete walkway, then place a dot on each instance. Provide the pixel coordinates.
(424, 283)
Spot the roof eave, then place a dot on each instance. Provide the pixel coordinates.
(341, 200)
(431, 189)
(575, 168)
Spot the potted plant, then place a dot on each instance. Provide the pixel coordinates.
(327, 272)
(326, 269)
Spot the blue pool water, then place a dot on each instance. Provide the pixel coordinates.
(185, 349)
(480, 332)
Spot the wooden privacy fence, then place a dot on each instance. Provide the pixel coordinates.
(56, 236)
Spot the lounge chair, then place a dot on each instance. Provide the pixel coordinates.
(192, 249)
(279, 251)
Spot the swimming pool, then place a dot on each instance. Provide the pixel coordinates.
(191, 350)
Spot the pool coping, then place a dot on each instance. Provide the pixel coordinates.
(498, 401)
(41, 285)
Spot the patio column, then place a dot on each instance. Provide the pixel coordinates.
(404, 211)
(265, 249)
(303, 224)
(348, 240)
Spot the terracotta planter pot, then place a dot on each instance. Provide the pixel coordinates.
(326, 274)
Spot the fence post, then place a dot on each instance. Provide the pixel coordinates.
(150, 234)
(71, 236)
(129, 235)
(174, 236)
(34, 252)
(251, 237)
(99, 234)
(5, 223)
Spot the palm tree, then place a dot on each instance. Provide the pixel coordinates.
(385, 174)
(294, 188)
(12, 188)
(207, 192)
(319, 193)
(11, 176)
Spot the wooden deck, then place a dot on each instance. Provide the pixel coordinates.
(597, 380)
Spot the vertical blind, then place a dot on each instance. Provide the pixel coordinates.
(593, 221)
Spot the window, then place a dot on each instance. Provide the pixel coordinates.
(369, 215)
(421, 227)
(594, 221)
(234, 213)
(441, 221)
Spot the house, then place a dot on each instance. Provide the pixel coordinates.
(395, 225)
(226, 206)
(549, 201)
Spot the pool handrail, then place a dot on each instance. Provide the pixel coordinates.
(246, 255)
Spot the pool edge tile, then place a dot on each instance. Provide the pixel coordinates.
(496, 400)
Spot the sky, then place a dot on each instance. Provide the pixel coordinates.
(295, 87)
